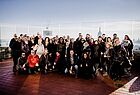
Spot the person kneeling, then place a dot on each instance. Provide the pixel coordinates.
(72, 66)
(22, 64)
(33, 61)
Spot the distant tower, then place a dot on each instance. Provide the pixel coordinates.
(99, 33)
(47, 32)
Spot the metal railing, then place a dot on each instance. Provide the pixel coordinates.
(5, 53)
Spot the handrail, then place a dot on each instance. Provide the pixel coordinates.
(5, 53)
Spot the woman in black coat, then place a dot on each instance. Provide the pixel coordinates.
(85, 66)
(95, 55)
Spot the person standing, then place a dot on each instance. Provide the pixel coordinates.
(25, 48)
(15, 50)
(39, 48)
(128, 45)
(118, 57)
(85, 66)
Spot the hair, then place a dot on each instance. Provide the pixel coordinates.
(88, 57)
(47, 38)
(128, 38)
(62, 39)
(114, 34)
(109, 38)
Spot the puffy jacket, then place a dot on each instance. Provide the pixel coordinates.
(32, 60)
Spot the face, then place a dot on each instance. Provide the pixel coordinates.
(80, 36)
(21, 36)
(103, 36)
(61, 40)
(47, 39)
(86, 43)
(85, 56)
(68, 36)
(25, 39)
(19, 40)
(117, 42)
(126, 38)
(51, 41)
(100, 39)
(67, 43)
(64, 37)
(40, 37)
(23, 54)
(32, 52)
(72, 40)
(38, 34)
(115, 35)
(57, 54)
(15, 35)
(107, 46)
(91, 40)
(109, 39)
(71, 52)
(87, 35)
(96, 42)
(57, 36)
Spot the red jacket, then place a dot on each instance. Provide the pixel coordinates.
(32, 60)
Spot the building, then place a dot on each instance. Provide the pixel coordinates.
(99, 33)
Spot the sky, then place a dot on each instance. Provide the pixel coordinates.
(66, 11)
(70, 16)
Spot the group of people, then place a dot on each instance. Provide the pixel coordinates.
(83, 57)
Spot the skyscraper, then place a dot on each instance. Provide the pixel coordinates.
(99, 33)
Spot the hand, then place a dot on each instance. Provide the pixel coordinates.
(46, 67)
(23, 65)
(54, 63)
(37, 64)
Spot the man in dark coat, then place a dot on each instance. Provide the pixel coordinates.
(15, 46)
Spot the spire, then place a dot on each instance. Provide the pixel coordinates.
(99, 33)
